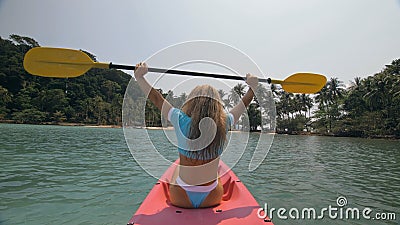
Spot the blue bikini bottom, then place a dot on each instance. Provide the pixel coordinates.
(196, 194)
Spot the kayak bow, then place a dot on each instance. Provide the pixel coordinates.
(238, 205)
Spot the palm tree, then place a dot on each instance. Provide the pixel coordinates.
(285, 104)
(254, 116)
(394, 68)
(336, 89)
(328, 99)
(376, 95)
(221, 93)
(226, 101)
(396, 88)
(237, 93)
(306, 104)
(356, 84)
(322, 98)
(297, 104)
(355, 102)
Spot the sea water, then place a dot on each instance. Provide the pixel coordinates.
(80, 175)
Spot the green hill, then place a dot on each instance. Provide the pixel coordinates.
(94, 98)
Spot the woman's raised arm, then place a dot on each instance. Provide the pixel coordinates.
(240, 108)
(155, 97)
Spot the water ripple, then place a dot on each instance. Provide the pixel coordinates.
(76, 175)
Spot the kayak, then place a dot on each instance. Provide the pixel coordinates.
(238, 205)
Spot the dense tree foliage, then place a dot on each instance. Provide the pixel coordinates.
(370, 107)
(94, 98)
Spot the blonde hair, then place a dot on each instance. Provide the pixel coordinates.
(205, 101)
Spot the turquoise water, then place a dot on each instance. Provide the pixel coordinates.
(77, 175)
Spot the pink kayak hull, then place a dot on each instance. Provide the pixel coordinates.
(238, 205)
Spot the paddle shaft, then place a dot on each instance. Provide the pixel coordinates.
(62, 63)
(189, 73)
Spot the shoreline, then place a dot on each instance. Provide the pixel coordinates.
(385, 137)
(64, 124)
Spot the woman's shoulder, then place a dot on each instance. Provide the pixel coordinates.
(175, 114)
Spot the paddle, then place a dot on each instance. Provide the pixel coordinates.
(67, 63)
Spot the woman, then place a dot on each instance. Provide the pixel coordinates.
(201, 127)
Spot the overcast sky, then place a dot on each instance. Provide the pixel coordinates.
(338, 38)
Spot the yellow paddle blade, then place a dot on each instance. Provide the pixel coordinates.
(57, 62)
(62, 63)
(305, 83)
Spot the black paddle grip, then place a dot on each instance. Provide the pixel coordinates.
(188, 73)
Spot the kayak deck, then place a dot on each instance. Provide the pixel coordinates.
(238, 205)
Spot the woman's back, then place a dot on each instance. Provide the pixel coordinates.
(201, 128)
